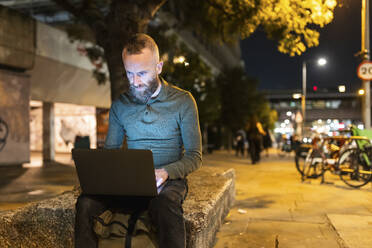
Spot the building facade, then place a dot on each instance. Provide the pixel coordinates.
(326, 112)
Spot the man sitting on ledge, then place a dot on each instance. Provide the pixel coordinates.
(157, 116)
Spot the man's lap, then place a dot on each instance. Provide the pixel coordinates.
(174, 192)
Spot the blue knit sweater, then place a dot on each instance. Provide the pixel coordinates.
(168, 125)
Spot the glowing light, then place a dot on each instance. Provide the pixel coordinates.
(361, 92)
(341, 126)
(179, 59)
(289, 113)
(286, 121)
(319, 121)
(322, 61)
(296, 95)
(341, 88)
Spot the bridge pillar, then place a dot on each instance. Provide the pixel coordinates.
(48, 132)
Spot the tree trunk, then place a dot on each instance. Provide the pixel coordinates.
(118, 81)
(125, 19)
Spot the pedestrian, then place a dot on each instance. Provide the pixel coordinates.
(267, 141)
(154, 115)
(240, 140)
(255, 132)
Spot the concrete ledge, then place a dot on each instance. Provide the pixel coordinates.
(50, 223)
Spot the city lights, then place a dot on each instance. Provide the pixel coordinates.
(296, 96)
(321, 62)
(341, 88)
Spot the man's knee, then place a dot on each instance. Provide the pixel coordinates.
(87, 204)
(165, 205)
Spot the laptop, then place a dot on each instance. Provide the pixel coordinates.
(116, 172)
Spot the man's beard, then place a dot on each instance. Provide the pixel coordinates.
(142, 97)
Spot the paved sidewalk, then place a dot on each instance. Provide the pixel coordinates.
(21, 185)
(273, 208)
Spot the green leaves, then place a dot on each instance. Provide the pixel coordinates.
(292, 23)
(185, 69)
(240, 100)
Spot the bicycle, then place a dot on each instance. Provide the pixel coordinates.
(4, 131)
(355, 164)
(308, 160)
(322, 156)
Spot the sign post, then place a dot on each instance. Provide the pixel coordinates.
(365, 71)
(366, 110)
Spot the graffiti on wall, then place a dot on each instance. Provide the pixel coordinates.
(3, 133)
(14, 112)
(14, 108)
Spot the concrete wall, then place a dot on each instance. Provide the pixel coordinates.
(216, 55)
(14, 111)
(62, 74)
(17, 39)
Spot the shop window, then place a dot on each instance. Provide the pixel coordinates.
(320, 104)
(334, 104)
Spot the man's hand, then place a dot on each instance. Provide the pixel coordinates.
(161, 176)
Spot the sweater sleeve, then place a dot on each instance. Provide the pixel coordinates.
(115, 134)
(191, 137)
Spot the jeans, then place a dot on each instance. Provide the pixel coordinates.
(165, 212)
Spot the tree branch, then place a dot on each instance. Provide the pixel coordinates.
(88, 13)
(155, 5)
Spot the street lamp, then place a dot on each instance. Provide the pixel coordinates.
(297, 95)
(365, 47)
(321, 62)
(341, 88)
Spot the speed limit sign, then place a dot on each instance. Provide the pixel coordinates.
(365, 70)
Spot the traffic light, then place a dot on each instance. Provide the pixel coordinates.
(315, 88)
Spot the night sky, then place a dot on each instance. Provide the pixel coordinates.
(338, 43)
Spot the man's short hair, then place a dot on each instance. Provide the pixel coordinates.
(140, 41)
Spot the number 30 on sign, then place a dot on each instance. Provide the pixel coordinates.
(365, 70)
